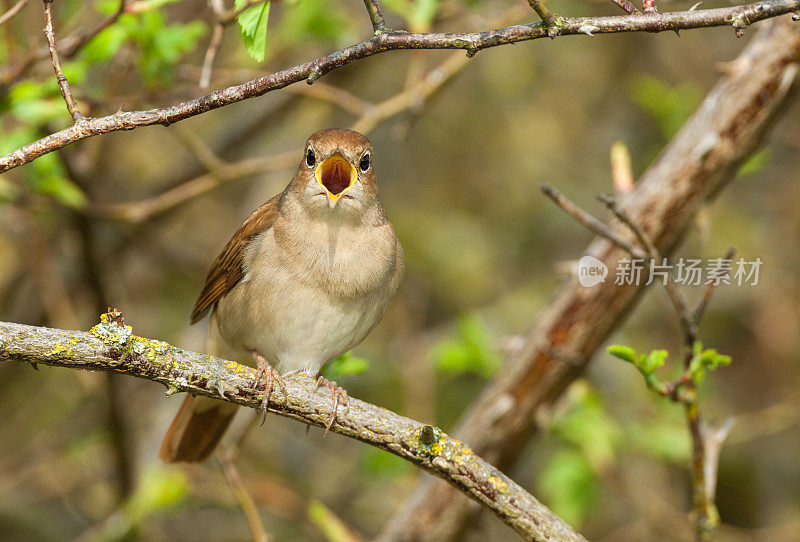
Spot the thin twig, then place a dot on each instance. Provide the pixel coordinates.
(69, 46)
(547, 17)
(16, 8)
(111, 347)
(341, 98)
(199, 148)
(371, 117)
(211, 54)
(591, 223)
(627, 7)
(376, 17)
(675, 295)
(227, 460)
(63, 85)
(700, 309)
(471, 42)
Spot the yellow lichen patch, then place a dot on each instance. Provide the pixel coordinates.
(238, 367)
(152, 350)
(498, 484)
(60, 348)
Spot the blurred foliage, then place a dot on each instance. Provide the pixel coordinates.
(345, 365)
(669, 105)
(459, 177)
(469, 351)
(589, 437)
(159, 490)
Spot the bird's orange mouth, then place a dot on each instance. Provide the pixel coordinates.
(336, 175)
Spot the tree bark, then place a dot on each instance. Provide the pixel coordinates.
(700, 160)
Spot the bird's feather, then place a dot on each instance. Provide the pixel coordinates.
(227, 270)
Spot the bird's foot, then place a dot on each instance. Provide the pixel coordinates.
(337, 392)
(267, 373)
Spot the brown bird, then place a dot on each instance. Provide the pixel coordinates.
(304, 279)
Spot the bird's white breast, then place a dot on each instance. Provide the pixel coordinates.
(308, 296)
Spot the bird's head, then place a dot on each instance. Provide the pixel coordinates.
(336, 172)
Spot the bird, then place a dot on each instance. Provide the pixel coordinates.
(303, 280)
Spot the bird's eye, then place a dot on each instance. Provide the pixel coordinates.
(364, 163)
(310, 158)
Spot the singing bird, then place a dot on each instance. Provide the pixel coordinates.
(304, 279)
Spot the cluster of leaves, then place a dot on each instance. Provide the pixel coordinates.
(160, 44)
(647, 364)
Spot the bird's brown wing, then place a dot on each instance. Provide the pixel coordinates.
(227, 269)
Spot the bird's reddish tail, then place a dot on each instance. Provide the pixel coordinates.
(196, 429)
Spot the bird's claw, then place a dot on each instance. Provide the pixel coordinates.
(337, 392)
(267, 373)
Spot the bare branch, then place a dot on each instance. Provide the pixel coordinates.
(376, 17)
(627, 7)
(211, 54)
(112, 347)
(63, 85)
(675, 295)
(68, 46)
(700, 310)
(547, 17)
(11, 13)
(218, 174)
(739, 17)
(590, 222)
(227, 460)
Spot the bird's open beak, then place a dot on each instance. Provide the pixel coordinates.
(335, 174)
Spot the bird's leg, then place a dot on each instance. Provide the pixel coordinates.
(265, 370)
(337, 392)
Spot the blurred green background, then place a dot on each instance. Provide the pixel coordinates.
(459, 174)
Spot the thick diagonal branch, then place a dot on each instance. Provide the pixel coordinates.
(727, 127)
(111, 347)
(738, 17)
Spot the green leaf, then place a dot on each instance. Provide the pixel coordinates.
(653, 361)
(345, 365)
(253, 28)
(625, 353)
(62, 189)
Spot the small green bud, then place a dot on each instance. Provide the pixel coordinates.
(625, 353)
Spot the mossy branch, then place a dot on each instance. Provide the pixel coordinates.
(112, 346)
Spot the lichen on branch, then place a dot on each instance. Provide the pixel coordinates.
(111, 345)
